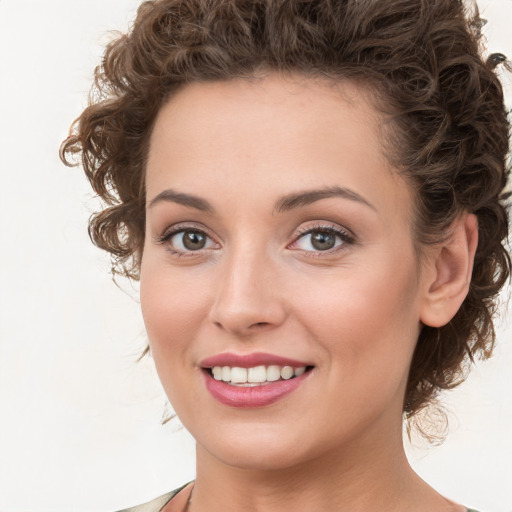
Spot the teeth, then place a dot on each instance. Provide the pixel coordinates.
(286, 372)
(257, 375)
(273, 373)
(238, 375)
(299, 371)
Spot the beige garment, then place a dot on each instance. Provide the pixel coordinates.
(157, 504)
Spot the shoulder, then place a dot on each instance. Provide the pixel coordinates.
(155, 505)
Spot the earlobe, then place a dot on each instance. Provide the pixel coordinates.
(451, 267)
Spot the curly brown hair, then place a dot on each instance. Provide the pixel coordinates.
(423, 61)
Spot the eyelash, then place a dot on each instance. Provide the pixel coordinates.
(346, 239)
(168, 235)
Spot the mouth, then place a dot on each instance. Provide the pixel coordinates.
(253, 380)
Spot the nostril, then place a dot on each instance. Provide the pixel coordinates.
(259, 324)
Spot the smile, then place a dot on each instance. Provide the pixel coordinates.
(256, 375)
(253, 380)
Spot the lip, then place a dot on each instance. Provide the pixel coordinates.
(250, 360)
(250, 397)
(256, 396)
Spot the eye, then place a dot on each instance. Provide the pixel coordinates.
(187, 240)
(321, 239)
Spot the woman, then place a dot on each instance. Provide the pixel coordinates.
(311, 193)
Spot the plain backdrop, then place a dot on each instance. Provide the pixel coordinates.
(79, 418)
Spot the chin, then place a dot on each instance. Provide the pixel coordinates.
(260, 457)
(256, 448)
(271, 448)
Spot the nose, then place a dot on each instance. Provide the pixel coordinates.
(248, 297)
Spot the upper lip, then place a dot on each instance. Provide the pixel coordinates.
(250, 360)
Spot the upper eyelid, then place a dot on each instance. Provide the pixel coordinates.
(328, 226)
(184, 226)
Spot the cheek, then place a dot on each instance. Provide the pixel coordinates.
(173, 309)
(172, 306)
(366, 320)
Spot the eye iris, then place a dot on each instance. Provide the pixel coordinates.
(194, 240)
(323, 240)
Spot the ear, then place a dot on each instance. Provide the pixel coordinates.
(448, 272)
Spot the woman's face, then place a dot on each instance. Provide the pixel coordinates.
(278, 236)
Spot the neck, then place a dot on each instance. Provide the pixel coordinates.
(362, 476)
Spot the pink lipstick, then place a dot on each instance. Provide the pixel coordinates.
(252, 380)
(248, 360)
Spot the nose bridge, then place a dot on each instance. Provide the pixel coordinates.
(247, 298)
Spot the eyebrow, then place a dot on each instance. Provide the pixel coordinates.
(284, 204)
(189, 200)
(298, 199)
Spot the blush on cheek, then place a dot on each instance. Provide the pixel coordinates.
(172, 308)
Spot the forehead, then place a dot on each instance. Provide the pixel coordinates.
(288, 132)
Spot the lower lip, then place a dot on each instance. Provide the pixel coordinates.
(255, 396)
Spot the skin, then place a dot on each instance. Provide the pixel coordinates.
(259, 285)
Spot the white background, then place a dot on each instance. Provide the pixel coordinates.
(79, 419)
